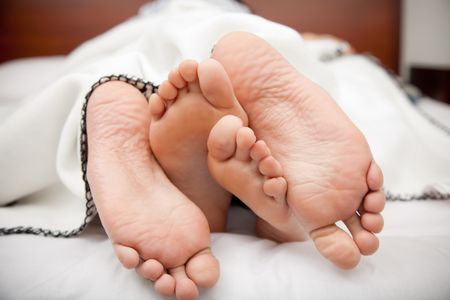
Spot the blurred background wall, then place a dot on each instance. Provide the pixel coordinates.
(425, 46)
(410, 37)
(425, 34)
(46, 27)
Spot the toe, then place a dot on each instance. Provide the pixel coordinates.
(245, 139)
(185, 288)
(222, 138)
(151, 269)
(276, 188)
(167, 90)
(176, 79)
(188, 70)
(374, 202)
(127, 256)
(270, 167)
(374, 177)
(157, 106)
(259, 151)
(215, 84)
(203, 269)
(165, 285)
(366, 241)
(337, 246)
(372, 222)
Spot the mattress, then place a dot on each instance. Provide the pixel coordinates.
(413, 261)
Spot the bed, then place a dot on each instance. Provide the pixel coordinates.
(413, 261)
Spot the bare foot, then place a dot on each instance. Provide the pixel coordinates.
(327, 162)
(246, 168)
(186, 108)
(153, 227)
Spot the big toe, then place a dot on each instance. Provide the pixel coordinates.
(222, 138)
(337, 246)
(215, 84)
(203, 269)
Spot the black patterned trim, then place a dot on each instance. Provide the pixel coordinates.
(146, 88)
(435, 195)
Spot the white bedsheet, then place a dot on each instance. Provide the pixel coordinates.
(412, 263)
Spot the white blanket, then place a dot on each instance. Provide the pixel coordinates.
(39, 145)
